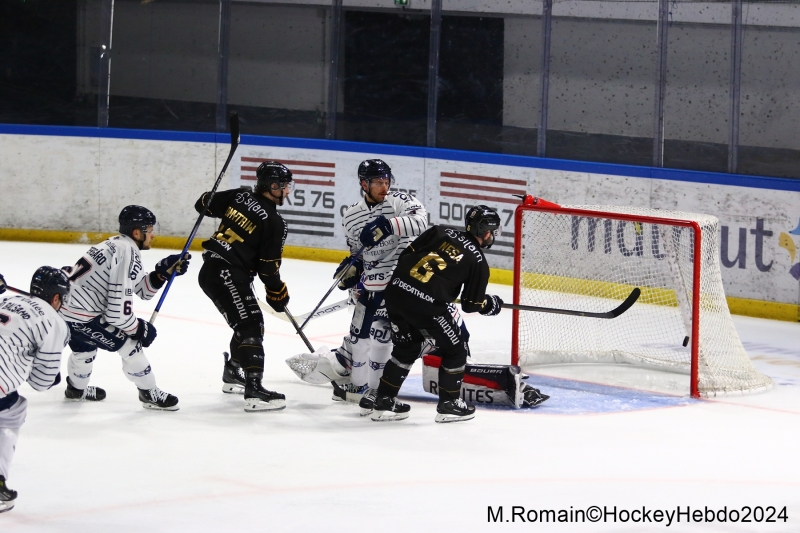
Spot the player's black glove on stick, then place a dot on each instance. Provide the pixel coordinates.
(146, 333)
(165, 267)
(2, 284)
(491, 305)
(375, 231)
(278, 298)
(351, 275)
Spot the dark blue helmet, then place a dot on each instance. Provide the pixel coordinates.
(48, 281)
(135, 217)
(375, 168)
(270, 172)
(479, 220)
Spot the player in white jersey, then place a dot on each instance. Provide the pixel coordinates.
(100, 312)
(32, 336)
(380, 225)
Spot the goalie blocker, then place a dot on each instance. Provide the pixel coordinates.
(486, 384)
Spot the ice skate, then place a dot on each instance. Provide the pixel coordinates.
(367, 402)
(232, 376)
(158, 400)
(257, 398)
(348, 392)
(89, 394)
(389, 409)
(7, 496)
(454, 411)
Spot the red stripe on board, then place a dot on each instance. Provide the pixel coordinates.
(289, 162)
(480, 188)
(300, 172)
(478, 197)
(300, 181)
(475, 177)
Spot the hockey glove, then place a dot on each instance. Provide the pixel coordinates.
(146, 333)
(491, 305)
(2, 284)
(532, 397)
(352, 272)
(165, 267)
(375, 231)
(278, 299)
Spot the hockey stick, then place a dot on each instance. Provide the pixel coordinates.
(18, 291)
(234, 127)
(328, 309)
(335, 283)
(614, 313)
(299, 331)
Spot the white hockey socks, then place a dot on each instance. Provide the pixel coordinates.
(136, 366)
(11, 420)
(79, 368)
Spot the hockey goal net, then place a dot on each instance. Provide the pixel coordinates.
(590, 258)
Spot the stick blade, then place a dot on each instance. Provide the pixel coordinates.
(629, 301)
(233, 123)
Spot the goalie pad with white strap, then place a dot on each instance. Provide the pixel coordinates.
(485, 384)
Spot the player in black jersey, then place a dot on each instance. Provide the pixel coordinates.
(429, 275)
(249, 242)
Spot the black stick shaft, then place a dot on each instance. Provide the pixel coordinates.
(614, 313)
(234, 127)
(297, 328)
(335, 283)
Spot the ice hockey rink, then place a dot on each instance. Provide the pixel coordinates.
(318, 466)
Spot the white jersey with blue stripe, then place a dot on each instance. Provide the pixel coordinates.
(408, 219)
(104, 281)
(32, 336)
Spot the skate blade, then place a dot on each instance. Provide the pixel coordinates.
(387, 416)
(232, 388)
(6, 506)
(157, 408)
(442, 419)
(366, 412)
(252, 405)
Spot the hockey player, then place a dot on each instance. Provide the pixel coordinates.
(100, 312)
(429, 275)
(32, 337)
(249, 242)
(383, 224)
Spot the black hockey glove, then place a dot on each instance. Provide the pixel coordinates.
(375, 231)
(2, 284)
(352, 272)
(532, 397)
(278, 299)
(491, 305)
(165, 267)
(146, 333)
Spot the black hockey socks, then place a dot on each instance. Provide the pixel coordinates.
(450, 383)
(393, 377)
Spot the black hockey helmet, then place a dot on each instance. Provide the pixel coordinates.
(479, 220)
(375, 168)
(270, 172)
(135, 217)
(48, 281)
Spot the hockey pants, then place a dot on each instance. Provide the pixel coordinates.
(88, 337)
(411, 334)
(13, 409)
(230, 288)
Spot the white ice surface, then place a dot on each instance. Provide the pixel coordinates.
(318, 466)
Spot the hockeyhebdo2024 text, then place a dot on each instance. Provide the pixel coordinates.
(685, 515)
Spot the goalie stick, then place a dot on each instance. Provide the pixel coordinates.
(336, 281)
(614, 313)
(234, 127)
(328, 309)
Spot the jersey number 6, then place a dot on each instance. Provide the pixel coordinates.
(423, 270)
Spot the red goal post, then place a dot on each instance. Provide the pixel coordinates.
(673, 257)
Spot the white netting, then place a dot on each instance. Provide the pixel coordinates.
(593, 263)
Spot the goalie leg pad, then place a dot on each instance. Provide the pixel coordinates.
(135, 365)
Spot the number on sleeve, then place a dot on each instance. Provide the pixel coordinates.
(83, 268)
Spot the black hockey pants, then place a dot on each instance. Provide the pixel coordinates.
(410, 330)
(230, 288)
